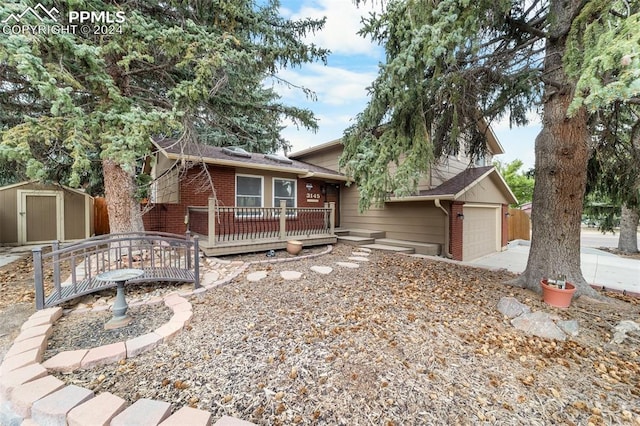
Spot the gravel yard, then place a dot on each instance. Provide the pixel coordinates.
(399, 340)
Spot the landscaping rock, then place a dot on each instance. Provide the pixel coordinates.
(256, 276)
(291, 275)
(511, 308)
(322, 269)
(622, 329)
(570, 327)
(539, 324)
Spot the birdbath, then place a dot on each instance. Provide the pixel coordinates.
(119, 276)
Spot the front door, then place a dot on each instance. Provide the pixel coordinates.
(39, 216)
(333, 196)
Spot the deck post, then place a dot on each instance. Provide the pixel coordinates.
(37, 277)
(332, 217)
(212, 221)
(283, 219)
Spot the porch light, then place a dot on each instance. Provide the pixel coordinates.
(460, 216)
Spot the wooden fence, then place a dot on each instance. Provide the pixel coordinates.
(100, 216)
(519, 225)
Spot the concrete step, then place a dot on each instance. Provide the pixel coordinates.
(385, 247)
(429, 249)
(355, 241)
(358, 232)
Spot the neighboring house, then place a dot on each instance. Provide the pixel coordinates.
(248, 190)
(31, 213)
(463, 209)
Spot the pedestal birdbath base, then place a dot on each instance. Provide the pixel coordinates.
(120, 277)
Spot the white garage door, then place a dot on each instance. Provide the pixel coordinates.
(480, 231)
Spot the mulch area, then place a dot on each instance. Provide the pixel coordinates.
(86, 330)
(400, 340)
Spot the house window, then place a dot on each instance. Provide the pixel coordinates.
(284, 189)
(248, 193)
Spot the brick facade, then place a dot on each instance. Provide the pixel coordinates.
(455, 230)
(194, 191)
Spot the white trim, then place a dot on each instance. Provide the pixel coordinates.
(235, 191)
(87, 217)
(273, 190)
(21, 196)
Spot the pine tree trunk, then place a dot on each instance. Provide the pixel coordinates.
(628, 239)
(120, 189)
(562, 152)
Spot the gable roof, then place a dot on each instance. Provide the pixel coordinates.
(456, 187)
(494, 145)
(208, 154)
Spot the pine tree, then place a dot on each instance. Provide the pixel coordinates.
(194, 69)
(451, 62)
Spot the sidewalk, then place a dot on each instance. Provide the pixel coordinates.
(599, 268)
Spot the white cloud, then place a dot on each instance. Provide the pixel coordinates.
(343, 22)
(332, 85)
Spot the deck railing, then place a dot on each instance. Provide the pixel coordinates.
(236, 224)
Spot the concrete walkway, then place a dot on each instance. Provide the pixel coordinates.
(600, 268)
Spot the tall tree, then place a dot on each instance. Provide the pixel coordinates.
(520, 183)
(608, 74)
(450, 62)
(82, 99)
(614, 172)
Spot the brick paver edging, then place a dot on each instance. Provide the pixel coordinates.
(30, 396)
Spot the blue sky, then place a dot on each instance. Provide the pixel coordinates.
(340, 86)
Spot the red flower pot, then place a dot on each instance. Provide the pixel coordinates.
(560, 298)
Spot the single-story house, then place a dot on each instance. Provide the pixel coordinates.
(32, 212)
(236, 206)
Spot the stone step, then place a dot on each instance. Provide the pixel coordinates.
(429, 249)
(384, 247)
(355, 241)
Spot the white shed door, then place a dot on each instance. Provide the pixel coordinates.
(480, 231)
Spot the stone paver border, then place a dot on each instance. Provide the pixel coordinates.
(25, 382)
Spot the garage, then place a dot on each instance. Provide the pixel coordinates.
(481, 231)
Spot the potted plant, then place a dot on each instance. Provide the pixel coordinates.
(294, 247)
(558, 292)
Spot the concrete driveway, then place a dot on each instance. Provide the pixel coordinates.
(600, 268)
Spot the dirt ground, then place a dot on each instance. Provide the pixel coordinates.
(399, 340)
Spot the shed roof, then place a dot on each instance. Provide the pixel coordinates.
(47, 185)
(175, 150)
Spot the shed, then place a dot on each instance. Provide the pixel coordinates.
(32, 212)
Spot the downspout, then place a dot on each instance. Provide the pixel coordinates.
(446, 248)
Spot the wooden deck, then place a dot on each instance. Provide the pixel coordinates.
(260, 244)
(236, 230)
